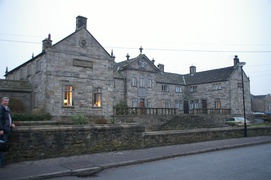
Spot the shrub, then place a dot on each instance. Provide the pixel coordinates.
(121, 108)
(30, 117)
(101, 121)
(79, 119)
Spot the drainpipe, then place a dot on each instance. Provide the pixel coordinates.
(125, 85)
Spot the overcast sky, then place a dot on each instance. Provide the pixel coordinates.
(176, 33)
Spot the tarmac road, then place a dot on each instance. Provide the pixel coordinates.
(248, 163)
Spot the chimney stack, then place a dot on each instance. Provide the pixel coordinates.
(192, 69)
(235, 60)
(46, 43)
(81, 22)
(161, 67)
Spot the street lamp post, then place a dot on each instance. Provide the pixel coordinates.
(241, 64)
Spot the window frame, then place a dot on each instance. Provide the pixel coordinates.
(68, 91)
(165, 88)
(97, 97)
(134, 81)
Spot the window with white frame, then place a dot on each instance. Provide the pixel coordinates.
(166, 104)
(68, 96)
(141, 81)
(149, 105)
(191, 104)
(196, 104)
(97, 97)
(178, 89)
(217, 86)
(134, 103)
(179, 104)
(134, 83)
(149, 83)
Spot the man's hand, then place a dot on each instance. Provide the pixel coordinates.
(13, 125)
(1, 132)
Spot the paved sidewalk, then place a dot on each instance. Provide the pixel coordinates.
(89, 164)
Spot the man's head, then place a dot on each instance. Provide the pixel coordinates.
(5, 101)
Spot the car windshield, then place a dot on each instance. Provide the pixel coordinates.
(240, 119)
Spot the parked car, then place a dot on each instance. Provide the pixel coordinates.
(237, 121)
(258, 113)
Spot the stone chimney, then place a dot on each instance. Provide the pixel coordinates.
(161, 67)
(81, 22)
(46, 43)
(235, 60)
(193, 69)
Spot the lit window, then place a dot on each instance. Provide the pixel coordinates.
(97, 97)
(68, 98)
(217, 103)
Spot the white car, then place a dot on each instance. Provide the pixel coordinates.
(237, 121)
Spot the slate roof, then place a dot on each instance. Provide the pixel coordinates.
(215, 75)
(170, 78)
(14, 85)
(259, 96)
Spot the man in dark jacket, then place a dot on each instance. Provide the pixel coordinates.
(6, 124)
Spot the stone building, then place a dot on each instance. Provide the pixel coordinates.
(261, 103)
(78, 76)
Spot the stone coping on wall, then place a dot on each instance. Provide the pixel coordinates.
(190, 130)
(78, 127)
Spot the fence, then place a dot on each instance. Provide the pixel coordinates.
(144, 111)
(212, 111)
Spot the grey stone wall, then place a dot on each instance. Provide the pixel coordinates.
(40, 142)
(180, 122)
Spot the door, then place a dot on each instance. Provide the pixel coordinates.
(204, 106)
(142, 106)
(185, 107)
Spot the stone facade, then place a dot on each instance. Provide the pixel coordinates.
(261, 103)
(19, 93)
(77, 76)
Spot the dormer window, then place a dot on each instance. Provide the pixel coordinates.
(193, 89)
(165, 88)
(217, 86)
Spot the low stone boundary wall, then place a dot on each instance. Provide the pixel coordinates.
(47, 141)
